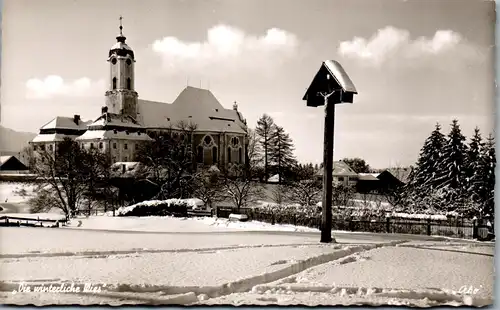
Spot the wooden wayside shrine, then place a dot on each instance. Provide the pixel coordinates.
(331, 85)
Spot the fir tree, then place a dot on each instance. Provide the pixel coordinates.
(423, 176)
(451, 178)
(488, 165)
(473, 167)
(264, 130)
(282, 154)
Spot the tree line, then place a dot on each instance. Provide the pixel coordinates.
(452, 174)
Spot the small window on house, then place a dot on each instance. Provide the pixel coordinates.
(34, 148)
(91, 145)
(199, 154)
(114, 159)
(240, 155)
(214, 154)
(50, 148)
(100, 145)
(129, 84)
(42, 147)
(228, 154)
(182, 137)
(125, 146)
(114, 83)
(341, 179)
(125, 158)
(114, 145)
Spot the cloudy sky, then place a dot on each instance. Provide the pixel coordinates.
(413, 62)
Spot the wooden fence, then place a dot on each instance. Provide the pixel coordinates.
(453, 227)
(30, 222)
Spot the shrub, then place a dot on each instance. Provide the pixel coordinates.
(170, 207)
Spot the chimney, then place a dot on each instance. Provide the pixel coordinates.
(76, 119)
(104, 110)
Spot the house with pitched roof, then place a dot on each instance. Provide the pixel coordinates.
(342, 174)
(126, 121)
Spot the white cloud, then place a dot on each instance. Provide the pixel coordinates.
(227, 46)
(391, 43)
(54, 85)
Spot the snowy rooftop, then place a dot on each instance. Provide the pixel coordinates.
(111, 134)
(368, 176)
(193, 105)
(340, 168)
(64, 122)
(54, 137)
(109, 119)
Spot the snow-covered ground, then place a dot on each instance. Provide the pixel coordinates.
(237, 267)
(11, 192)
(398, 275)
(166, 260)
(171, 224)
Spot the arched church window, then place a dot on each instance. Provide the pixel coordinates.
(129, 62)
(240, 155)
(129, 84)
(228, 154)
(207, 140)
(214, 154)
(114, 83)
(235, 141)
(199, 154)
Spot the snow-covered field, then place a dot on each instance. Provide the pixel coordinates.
(207, 261)
(10, 192)
(235, 266)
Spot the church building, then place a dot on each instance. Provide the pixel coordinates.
(126, 121)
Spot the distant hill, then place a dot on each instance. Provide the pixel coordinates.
(12, 141)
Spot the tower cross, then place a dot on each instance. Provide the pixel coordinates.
(121, 27)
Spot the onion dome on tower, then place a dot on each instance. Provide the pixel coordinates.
(120, 48)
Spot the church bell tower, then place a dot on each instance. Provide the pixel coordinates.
(121, 98)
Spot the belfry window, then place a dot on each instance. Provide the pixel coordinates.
(114, 83)
(129, 84)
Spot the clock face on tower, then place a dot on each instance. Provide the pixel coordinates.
(113, 61)
(129, 62)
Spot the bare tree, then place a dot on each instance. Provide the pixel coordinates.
(208, 187)
(254, 157)
(396, 194)
(305, 192)
(62, 175)
(97, 175)
(342, 195)
(238, 189)
(168, 161)
(279, 194)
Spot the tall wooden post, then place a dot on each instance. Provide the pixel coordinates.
(326, 221)
(330, 79)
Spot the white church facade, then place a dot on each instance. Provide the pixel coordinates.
(126, 121)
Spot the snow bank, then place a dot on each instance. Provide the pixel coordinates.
(191, 203)
(442, 217)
